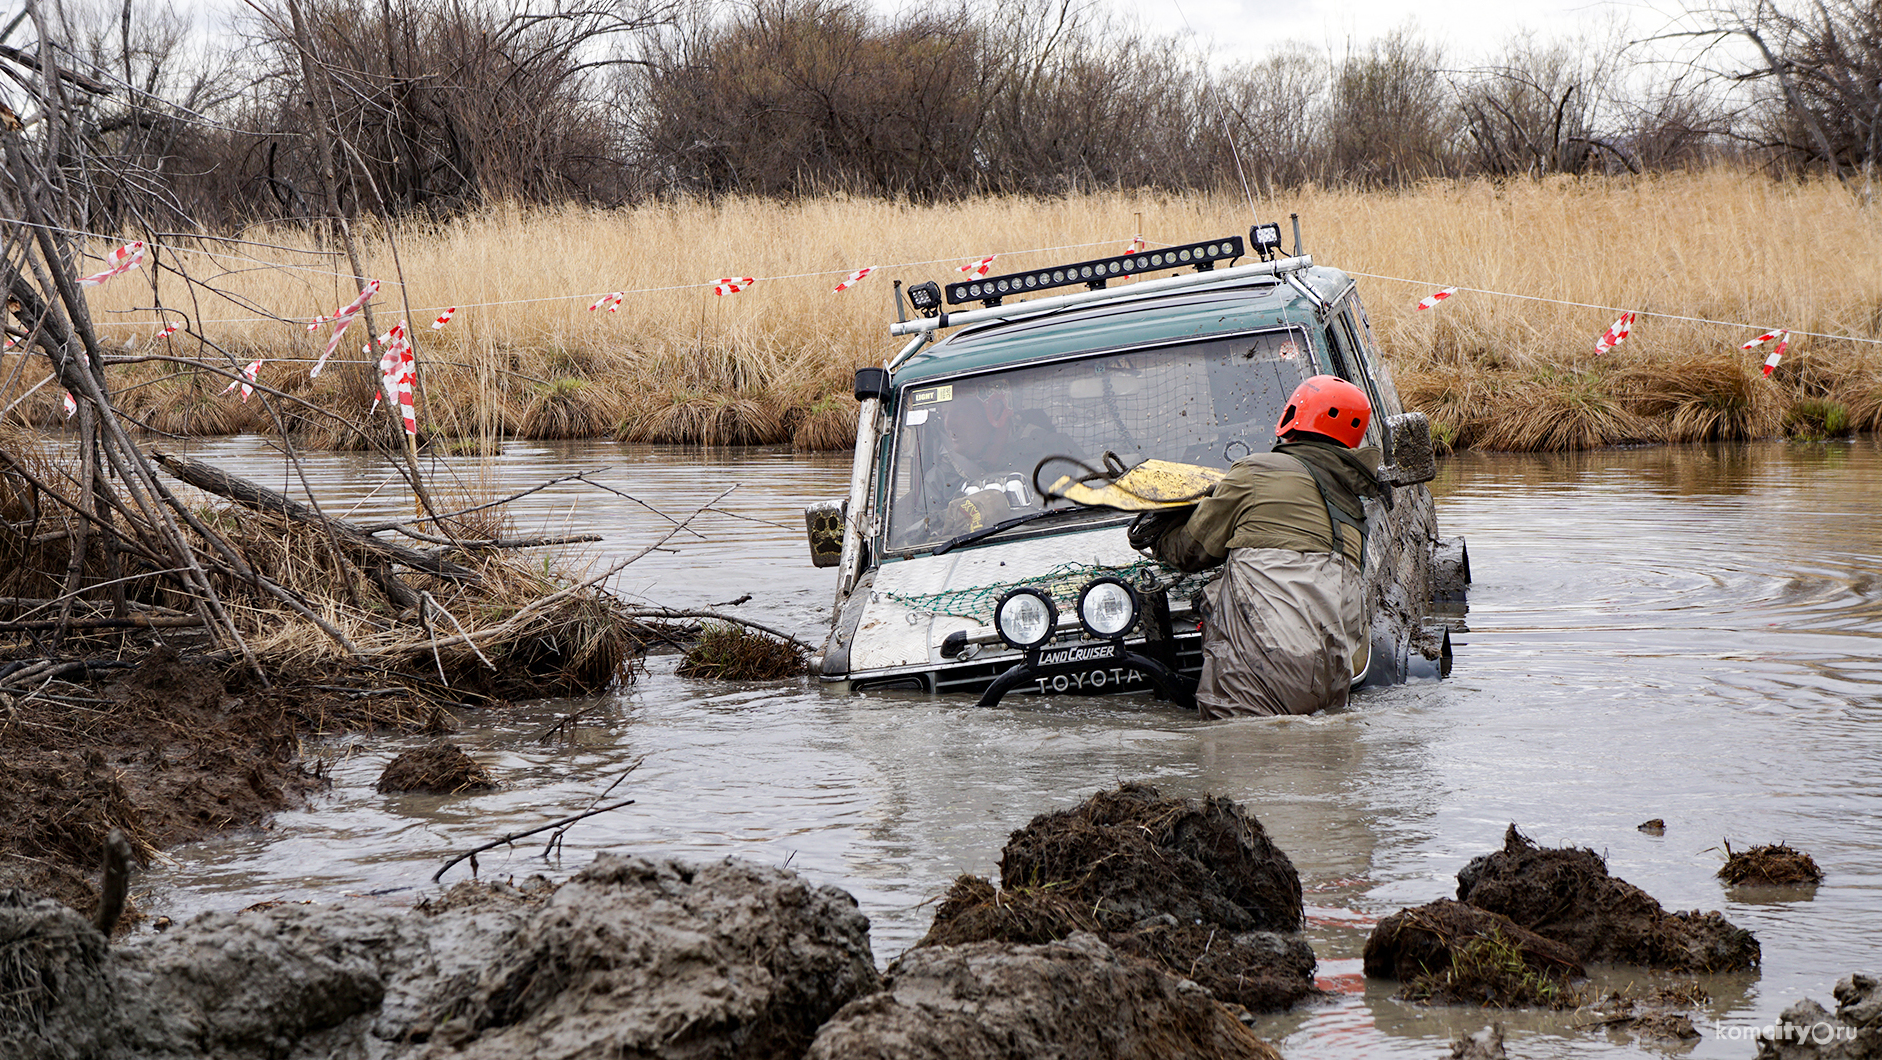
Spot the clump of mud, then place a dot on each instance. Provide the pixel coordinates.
(1456, 954)
(437, 769)
(1193, 885)
(1776, 864)
(472, 894)
(1662, 1016)
(1134, 854)
(1566, 894)
(727, 652)
(1806, 1031)
(1075, 998)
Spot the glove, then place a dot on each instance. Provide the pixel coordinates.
(976, 511)
(1149, 527)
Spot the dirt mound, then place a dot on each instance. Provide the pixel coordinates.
(438, 769)
(1777, 864)
(1567, 895)
(632, 957)
(1134, 854)
(164, 681)
(1805, 1031)
(657, 958)
(1194, 886)
(175, 754)
(1452, 953)
(990, 1001)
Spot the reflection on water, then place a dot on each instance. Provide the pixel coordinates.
(1685, 633)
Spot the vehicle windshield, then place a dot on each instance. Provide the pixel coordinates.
(965, 450)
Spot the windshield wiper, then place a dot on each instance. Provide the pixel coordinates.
(999, 527)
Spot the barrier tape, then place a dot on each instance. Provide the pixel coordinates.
(1616, 334)
(610, 301)
(1432, 300)
(444, 318)
(123, 260)
(341, 320)
(978, 268)
(398, 371)
(853, 279)
(731, 285)
(246, 380)
(1777, 353)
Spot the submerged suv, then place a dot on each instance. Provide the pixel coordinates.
(961, 568)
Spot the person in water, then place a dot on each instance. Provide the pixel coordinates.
(1286, 628)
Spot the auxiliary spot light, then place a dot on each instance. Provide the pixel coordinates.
(1025, 618)
(1107, 608)
(926, 298)
(1266, 239)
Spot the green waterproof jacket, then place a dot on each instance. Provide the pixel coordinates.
(1271, 500)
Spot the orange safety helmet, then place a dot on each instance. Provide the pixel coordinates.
(1329, 405)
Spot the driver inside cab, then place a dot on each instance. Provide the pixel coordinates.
(984, 473)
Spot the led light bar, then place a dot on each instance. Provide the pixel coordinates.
(1200, 256)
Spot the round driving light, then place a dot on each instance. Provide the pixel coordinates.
(1107, 607)
(1025, 618)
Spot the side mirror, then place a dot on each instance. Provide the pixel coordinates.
(823, 522)
(1408, 448)
(872, 383)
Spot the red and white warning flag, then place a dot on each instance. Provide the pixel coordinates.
(731, 285)
(1434, 299)
(341, 320)
(853, 279)
(246, 380)
(1616, 334)
(1762, 339)
(120, 261)
(444, 318)
(1136, 244)
(978, 268)
(610, 301)
(71, 404)
(169, 330)
(1777, 352)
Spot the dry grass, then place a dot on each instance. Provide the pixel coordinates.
(676, 363)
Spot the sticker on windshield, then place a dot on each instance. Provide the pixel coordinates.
(916, 417)
(931, 395)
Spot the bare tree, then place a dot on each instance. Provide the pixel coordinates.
(1818, 74)
(1390, 119)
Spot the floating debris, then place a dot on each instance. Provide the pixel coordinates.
(1773, 864)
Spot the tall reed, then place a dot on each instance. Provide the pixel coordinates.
(1509, 362)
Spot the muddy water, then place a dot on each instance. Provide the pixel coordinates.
(1692, 634)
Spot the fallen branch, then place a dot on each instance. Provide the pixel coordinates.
(514, 836)
(262, 499)
(132, 622)
(716, 616)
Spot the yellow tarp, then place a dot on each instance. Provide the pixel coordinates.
(1150, 485)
